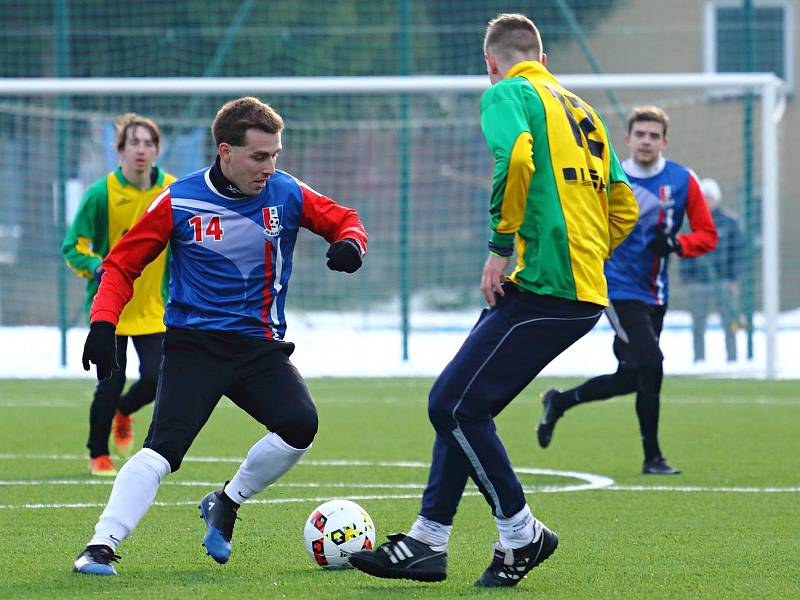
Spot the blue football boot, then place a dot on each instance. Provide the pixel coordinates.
(95, 560)
(220, 517)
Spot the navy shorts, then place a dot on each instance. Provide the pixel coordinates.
(637, 326)
(200, 367)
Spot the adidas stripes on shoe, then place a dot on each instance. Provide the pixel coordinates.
(509, 566)
(403, 557)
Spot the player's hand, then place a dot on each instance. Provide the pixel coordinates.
(492, 278)
(344, 255)
(663, 243)
(101, 349)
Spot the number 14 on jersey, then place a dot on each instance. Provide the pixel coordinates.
(212, 229)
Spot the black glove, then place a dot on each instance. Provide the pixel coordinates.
(663, 244)
(344, 255)
(101, 349)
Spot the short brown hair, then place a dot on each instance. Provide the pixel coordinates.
(512, 34)
(128, 121)
(648, 113)
(237, 116)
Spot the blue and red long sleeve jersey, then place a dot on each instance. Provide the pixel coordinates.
(230, 258)
(665, 194)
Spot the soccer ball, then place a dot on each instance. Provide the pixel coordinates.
(336, 529)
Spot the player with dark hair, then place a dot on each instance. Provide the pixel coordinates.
(232, 229)
(560, 200)
(637, 282)
(108, 210)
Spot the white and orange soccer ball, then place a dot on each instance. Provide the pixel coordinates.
(335, 530)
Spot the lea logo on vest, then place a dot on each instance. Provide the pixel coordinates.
(272, 220)
(665, 197)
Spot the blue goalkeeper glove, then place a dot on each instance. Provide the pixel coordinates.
(663, 243)
(101, 349)
(344, 255)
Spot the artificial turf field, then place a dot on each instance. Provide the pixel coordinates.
(728, 527)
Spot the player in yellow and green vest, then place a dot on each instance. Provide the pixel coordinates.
(109, 208)
(561, 201)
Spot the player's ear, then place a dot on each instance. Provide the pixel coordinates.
(224, 151)
(543, 59)
(491, 63)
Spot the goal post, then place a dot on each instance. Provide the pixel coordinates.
(402, 153)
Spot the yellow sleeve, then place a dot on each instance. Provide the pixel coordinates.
(623, 212)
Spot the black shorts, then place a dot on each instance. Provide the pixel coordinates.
(637, 326)
(199, 367)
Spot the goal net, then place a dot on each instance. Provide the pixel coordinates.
(408, 154)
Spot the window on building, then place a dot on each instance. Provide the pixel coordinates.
(772, 38)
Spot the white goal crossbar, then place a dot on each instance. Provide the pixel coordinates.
(766, 86)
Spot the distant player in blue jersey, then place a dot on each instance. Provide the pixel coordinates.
(637, 282)
(231, 229)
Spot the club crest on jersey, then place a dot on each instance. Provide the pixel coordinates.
(273, 216)
(665, 196)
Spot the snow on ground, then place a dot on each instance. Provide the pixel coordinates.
(370, 345)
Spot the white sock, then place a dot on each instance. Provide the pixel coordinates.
(268, 459)
(430, 532)
(520, 530)
(132, 494)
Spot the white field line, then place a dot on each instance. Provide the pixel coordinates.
(43, 404)
(83, 457)
(234, 459)
(695, 488)
(316, 499)
(589, 481)
(757, 401)
(416, 486)
(207, 484)
(415, 497)
(406, 464)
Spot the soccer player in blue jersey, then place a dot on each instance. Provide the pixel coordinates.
(231, 229)
(638, 288)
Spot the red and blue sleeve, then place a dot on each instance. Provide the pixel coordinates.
(126, 261)
(332, 221)
(703, 237)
